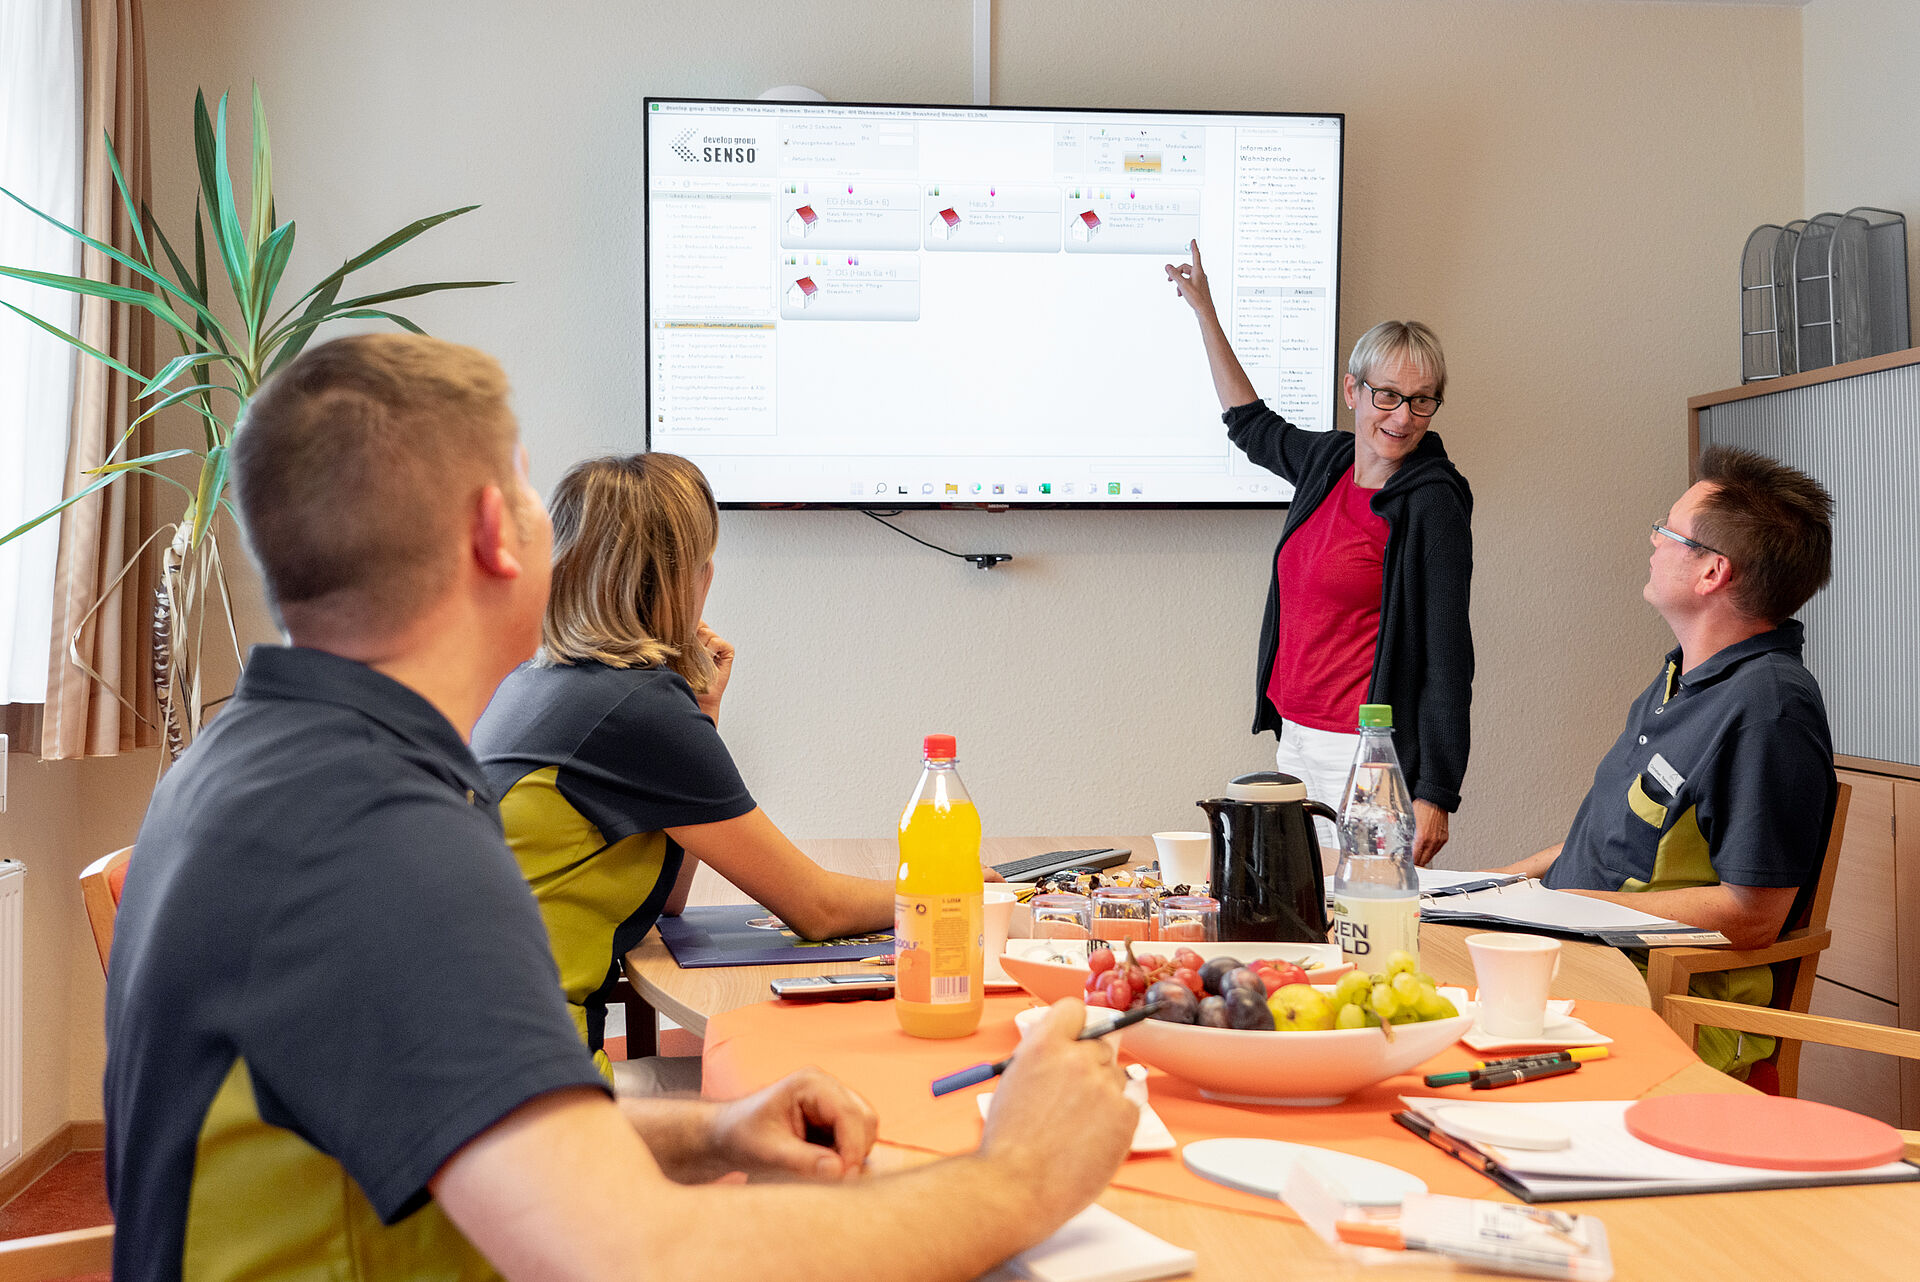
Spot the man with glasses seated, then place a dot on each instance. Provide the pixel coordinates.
(1713, 806)
(1368, 590)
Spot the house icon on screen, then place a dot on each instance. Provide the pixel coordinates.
(801, 293)
(944, 224)
(801, 221)
(1085, 225)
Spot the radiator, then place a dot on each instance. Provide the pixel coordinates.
(13, 897)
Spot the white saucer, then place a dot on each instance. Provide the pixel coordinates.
(1262, 1167)
(1562, 1032)
(996, 980)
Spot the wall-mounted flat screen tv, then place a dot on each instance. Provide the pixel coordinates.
(884, 306)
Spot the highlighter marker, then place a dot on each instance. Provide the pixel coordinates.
(1450, 1079)
(1578, 1055)
(1502, 1258)
(1513, 1076)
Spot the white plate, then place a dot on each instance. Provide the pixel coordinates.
(1150, 1135)
(1261, 1167)
(1562, 1032)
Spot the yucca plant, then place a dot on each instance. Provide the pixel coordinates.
(225, 354)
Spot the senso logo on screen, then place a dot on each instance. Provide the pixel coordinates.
(715, 149)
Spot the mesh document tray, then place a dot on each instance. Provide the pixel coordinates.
(1850, 287)
(1884, 288)
(1814, 294)
(1767, 332)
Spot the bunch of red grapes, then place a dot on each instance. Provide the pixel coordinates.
(1188, 988)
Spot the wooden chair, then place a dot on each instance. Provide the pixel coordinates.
(100, 883)
(1794, 958)
(1687, 1015)
(48, 1256)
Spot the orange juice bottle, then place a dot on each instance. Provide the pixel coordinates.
(938, 917)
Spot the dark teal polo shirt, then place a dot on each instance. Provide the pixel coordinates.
(327, 977)
(1723, 774)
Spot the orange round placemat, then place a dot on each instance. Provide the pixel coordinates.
(1764, 1130)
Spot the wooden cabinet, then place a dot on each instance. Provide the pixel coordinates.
(1865, 975)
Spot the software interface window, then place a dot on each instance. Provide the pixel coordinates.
(900, 304)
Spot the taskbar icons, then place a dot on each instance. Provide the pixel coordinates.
(999, 491)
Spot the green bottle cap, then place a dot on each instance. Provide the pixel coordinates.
(1376, 714)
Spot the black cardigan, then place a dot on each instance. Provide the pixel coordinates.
(1423, 661)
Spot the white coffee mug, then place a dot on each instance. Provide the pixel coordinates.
(1514, 973)
(1186, 858)
(998, 916)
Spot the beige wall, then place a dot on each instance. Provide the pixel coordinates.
(1560, 188)
(1861, 112)
(60, 817)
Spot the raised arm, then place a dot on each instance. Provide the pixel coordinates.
(756, 856)
(1230, 381)
(564, 1188)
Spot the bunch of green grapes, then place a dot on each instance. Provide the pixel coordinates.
(1402, 994)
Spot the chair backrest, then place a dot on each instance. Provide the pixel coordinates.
(1816, 913)
(100, 883)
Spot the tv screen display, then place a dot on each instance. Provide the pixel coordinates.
(876, 306)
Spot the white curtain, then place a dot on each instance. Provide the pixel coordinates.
(40, 163)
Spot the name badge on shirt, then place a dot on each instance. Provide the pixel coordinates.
(1663, 772)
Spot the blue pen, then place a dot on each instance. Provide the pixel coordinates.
(987, 1072)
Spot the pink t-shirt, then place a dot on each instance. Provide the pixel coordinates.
(1330, 572)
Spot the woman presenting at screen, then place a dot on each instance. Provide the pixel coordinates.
(1367, 601)
(605, 750)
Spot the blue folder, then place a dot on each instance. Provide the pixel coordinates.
(748, 935)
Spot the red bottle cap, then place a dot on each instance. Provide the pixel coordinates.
(938, 747)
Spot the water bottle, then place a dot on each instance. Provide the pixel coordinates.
(938, 904)
(1376, 893)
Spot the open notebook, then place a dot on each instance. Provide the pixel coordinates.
(1490, 899)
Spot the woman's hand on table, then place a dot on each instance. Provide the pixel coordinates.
(1429, 831)
(765, 1134)
(1059, 1114)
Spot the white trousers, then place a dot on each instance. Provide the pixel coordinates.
(1322, 760)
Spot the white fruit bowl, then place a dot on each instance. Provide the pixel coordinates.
(1238, 1067)
(1032, 964)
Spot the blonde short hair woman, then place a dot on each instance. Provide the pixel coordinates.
(605, 750)
(1368, 590)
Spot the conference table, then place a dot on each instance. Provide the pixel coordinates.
(1856, 1232)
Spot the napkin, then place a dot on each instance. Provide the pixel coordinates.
(1097, 1246)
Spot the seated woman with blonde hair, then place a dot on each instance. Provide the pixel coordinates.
(604, 749)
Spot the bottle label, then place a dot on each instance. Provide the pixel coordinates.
(935, 939)
(1370, 929)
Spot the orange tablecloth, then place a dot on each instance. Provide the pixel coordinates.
(861, 1043)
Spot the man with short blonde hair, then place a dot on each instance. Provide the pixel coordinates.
(338, 1044)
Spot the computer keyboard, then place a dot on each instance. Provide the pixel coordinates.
(1035, 867)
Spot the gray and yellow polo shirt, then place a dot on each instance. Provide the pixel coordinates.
(1723, 774)
(591, 764)
(327, 977)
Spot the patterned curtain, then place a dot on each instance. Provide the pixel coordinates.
(100, 698)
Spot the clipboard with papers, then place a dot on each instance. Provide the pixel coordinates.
(1603, 1160)
(1503, 901)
